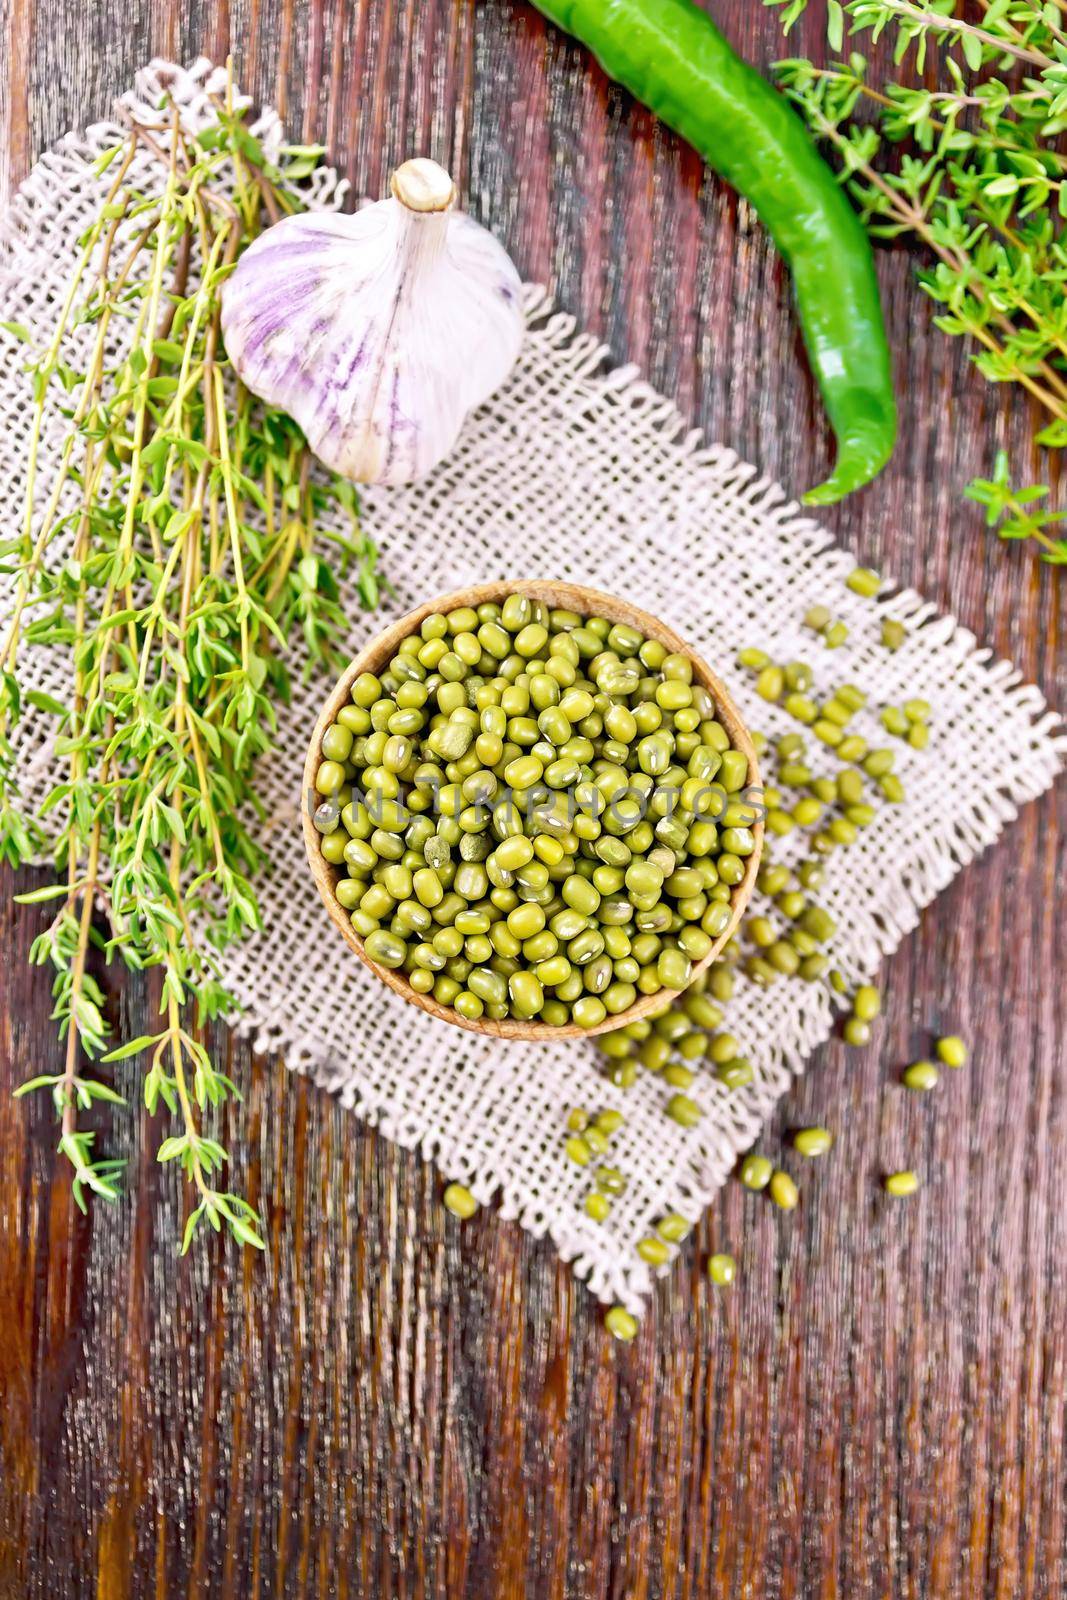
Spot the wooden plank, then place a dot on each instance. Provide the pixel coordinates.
(392, 1405)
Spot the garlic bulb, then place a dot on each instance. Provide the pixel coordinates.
(377, 331)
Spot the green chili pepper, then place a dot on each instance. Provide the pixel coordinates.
(670, 55)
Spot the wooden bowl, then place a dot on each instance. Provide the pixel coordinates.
(374, 656)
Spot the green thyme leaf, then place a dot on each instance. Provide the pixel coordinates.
(961, 151)
(188, 557)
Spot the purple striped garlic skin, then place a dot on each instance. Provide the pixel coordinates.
(378, 331)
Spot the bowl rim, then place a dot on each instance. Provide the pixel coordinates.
(560, 596)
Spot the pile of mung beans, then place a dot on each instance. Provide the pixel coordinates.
(535, 814)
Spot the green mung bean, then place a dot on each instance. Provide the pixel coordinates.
(864, 581)
(736, 1073)
(852, 748)
(866, 1002)
(621, 1324)
(901, 1183)
(811, 874)
(684, 1111)
(801, 706)
(835, 710)
(807, 811)
(850, 788)
(577, 1150)
(791, 902)
(756, 1171)
(459, 1201)
(812, 1141)
(819, 923)
(798, 675)
(952, 1051)
(722, 1270)
(678, 1075)
(773, 878)
(783, 957)
(673, 1227)
(921, 1075)
(878, 762)
(813, 967)
(770, 683)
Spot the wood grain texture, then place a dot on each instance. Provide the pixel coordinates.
(391, 1404)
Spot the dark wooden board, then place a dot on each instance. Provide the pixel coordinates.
(391, 1405)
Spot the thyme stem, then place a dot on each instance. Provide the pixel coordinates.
(188, 559)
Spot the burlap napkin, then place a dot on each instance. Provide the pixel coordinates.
(578, 472)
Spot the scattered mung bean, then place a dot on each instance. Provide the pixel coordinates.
(812, 1141)
(620, 1323)
(782, 1190)
(901, 1183)
(952, 1051)
(921, 1075)
(866, 1002)
(673, 1227)
(459, 1201)
(756, 1171)
(681, 1109)
(655, 1251)
(578, 1150)
(864, 581)
(722, 1270)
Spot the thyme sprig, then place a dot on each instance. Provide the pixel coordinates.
(169, 551)
(973, 169)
